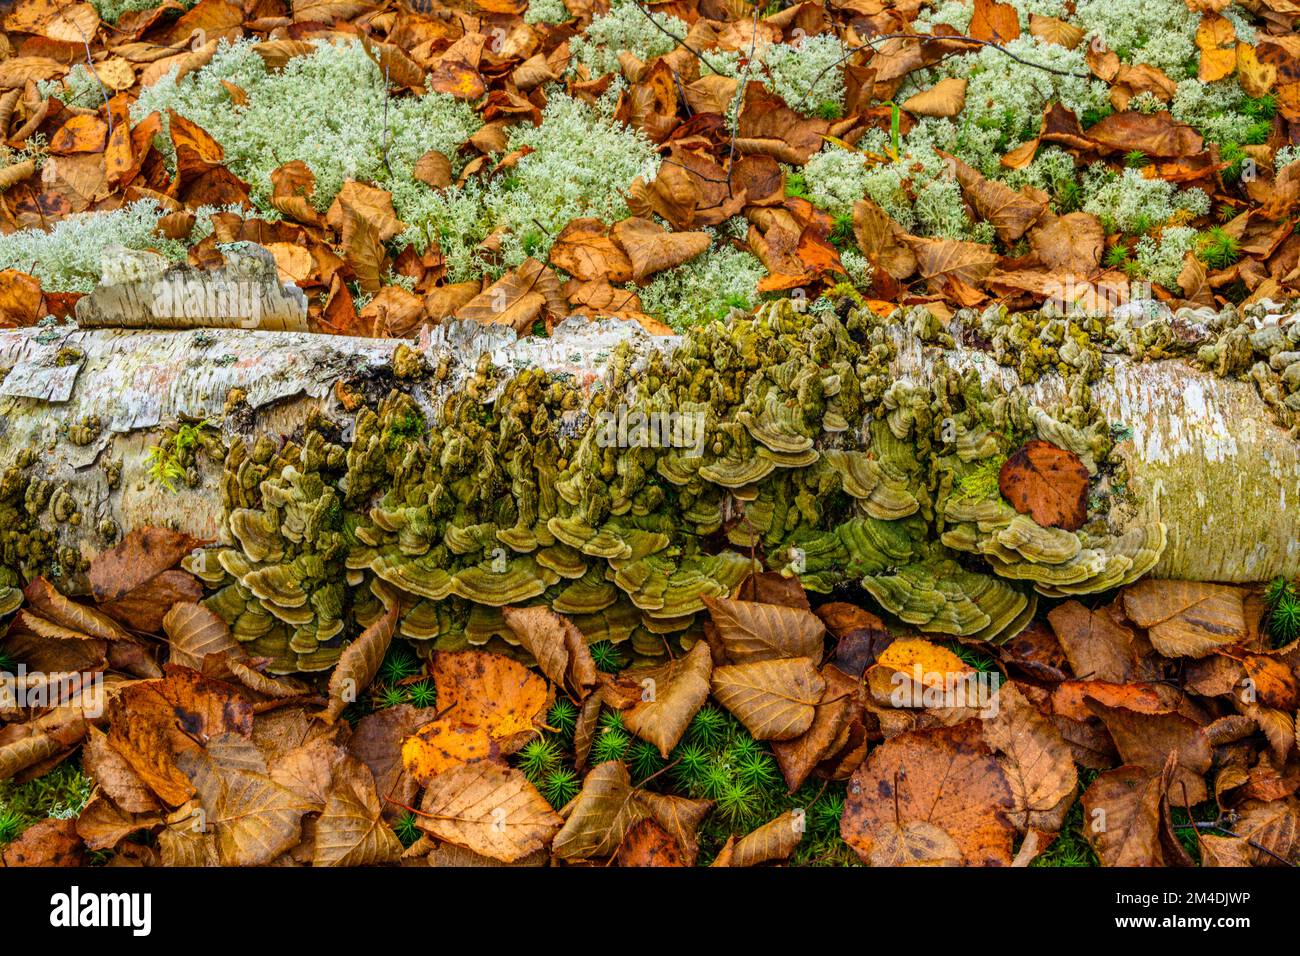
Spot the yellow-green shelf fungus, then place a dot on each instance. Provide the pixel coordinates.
(782, 439)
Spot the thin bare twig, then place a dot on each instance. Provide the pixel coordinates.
(90, 65)
(386, 81)
(739, 101)
(1218, 825)
(924, 38)
(679, 40)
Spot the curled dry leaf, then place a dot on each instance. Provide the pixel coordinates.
(945, 98)
(798, 757)
(1054, 30)
(43, 598)
(774, 840)
(671, 694)
(359, 664)
(602, 815)
(557, 645)
(115, 776)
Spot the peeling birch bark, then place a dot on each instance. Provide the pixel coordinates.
(1206, 456)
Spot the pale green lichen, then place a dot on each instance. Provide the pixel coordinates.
(624, 28)
(547, 11)
(68, 257)
(807, 74)
(110, 11)
(705, 288)
(1133, 202)
(1160, 260)
(1159, 32)
(296, 113)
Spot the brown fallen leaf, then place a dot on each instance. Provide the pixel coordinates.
(652, 249)
(940, 259)
(1185, 618)
(1055, 30)
(679, 816)
(1156, 134)
(560, 649)
(602, 814)
(993, 21)
(671, 695)
(52, 842)
(351, 830)
(943, 776)
(585, 250)
(102, 825)
(1125, 818)
(753, 631)
(945, 99)
(774, 840)
(1048, 483)
(255, 819)
(1072, 243)
(1035, 760)
(882, 240)
(1147, 740)
(359, 664)
(377, 741)
(114, 775)
(143, 608)
(774, 699)
(916, 843)
(1010, 213)
(43, 598)
(1098, 646)
(152, 724)
(648, 844)
(798, 757)
(194, 632)
(490, 809)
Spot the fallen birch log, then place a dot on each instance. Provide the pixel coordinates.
(82, 411)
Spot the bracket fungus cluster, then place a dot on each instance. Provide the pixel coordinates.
(783, 438)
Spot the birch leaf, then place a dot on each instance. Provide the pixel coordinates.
(490, 809)
(359, 664)
(351, 830)
(753, 631)
(774, 699)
